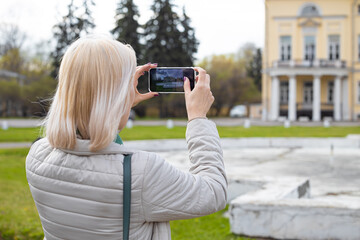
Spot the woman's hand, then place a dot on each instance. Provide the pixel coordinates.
(140, 70)
(199, 100)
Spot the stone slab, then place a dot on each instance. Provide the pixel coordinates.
(312, 219)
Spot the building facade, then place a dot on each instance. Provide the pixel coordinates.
(311, 60)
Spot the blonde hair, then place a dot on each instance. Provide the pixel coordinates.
(93, 93)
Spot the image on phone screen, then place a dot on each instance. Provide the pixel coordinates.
(167, 80)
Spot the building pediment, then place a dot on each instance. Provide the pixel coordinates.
(309, 23)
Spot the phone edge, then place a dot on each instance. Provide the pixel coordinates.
(168, 68)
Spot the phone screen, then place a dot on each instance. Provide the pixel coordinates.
(167, 80)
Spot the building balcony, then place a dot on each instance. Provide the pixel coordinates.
(305, 67)
(316, 63)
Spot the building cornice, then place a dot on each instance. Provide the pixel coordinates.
(279, 71)
(289, 18)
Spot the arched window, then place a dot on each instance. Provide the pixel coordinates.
(310, 10)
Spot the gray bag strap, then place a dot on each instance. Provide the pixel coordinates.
(126, 195)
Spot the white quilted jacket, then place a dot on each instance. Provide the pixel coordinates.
(78, 193)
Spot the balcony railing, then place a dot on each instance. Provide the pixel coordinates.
(316, 63)
(308, 106)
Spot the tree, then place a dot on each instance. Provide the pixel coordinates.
(10, 93)
(12, 60)
(10, 38)
(74, 24)
(36, 95)
(229, 83)
(163, 38)
(170, 41)
(189, 41)
(11, 41)
(127, 26)
(254, 67)
(40, 85)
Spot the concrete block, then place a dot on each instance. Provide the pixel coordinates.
(282, 209)
(295, 219)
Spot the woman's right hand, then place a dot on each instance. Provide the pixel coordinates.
(199, 100)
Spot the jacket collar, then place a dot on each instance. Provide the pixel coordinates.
(82, 148)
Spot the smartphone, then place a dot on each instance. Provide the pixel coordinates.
(170, 79)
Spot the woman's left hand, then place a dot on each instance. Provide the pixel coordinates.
(140, 70)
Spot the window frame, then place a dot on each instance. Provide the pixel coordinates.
(336, 52)
(330, 92)
(284, 92)
(311, 88)
(306, 50)
(310, 10)
(286, 53)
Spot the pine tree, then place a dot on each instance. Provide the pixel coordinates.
(85, 19)
(253, 69)
(189, 41)
(126, 26)
(163, 38)
(73, 25)
(171, 42)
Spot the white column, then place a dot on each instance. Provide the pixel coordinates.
(345, 100)
(316, 113)
(275, 98)
(337, 98)
(292, 98)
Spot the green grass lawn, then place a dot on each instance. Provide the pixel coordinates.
(18, 215)
(161, 132)
(19, 219)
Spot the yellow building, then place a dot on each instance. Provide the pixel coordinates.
(311, 63)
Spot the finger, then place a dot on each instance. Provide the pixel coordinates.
(149, 95)
(202, 73)
(141, 69)
(197, 78)
(207, 79)
(187, 88)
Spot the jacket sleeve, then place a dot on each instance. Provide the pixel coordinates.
(171, 194)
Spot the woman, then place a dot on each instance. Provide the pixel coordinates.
(75, 173)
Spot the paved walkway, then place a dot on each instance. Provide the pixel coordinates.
(333, 171)
(15, 145)
(219, 121)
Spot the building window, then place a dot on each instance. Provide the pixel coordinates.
(308, 93)
(334, 47)
(310, 48)
(330, 92)
(284, 92)
(285, 48)
(310, 11)
(358, 92)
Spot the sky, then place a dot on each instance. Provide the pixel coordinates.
(221, 26)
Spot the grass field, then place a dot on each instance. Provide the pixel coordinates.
(18, 215)
(19, 219)
(161, 132)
